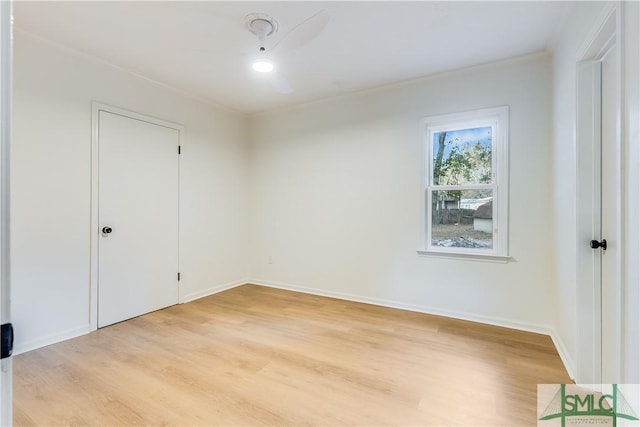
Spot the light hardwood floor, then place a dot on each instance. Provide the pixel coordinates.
(259, 356)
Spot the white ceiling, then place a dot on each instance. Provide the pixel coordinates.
(203, 47)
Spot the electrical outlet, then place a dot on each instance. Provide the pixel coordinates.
(270, 259)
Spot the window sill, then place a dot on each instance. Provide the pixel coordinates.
(469, 257)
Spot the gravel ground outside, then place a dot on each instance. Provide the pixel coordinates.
(460, 236)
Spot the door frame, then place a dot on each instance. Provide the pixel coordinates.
(6, 71)
(631, 134)
(588, 192)
(96, 108)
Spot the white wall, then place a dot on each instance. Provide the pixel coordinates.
(337, 201)
(51, 171)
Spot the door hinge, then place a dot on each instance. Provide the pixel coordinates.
(7, 340)
(178, 277)
(179, 149)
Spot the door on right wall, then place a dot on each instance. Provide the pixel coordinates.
(598, 210)
(611, 299)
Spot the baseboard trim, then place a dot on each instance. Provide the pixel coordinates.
(20, 348)
(564, 354)
(495, 321)
(213, 290)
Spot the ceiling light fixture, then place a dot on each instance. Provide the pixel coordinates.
(262, 66)
(262, 26)
(262, 63)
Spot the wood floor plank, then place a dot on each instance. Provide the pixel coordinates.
(254, 356)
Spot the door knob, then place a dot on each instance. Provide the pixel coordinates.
(595, 244)
(106, 230)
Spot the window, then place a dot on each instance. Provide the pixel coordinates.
(466, 184)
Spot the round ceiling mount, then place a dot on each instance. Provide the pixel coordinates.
(260, 24)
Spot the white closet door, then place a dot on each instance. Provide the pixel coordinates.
(138, 217)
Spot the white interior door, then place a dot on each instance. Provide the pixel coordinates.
(138, 217)
(599, 206)
(611, 287)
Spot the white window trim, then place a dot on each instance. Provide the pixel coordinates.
(498, 118)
